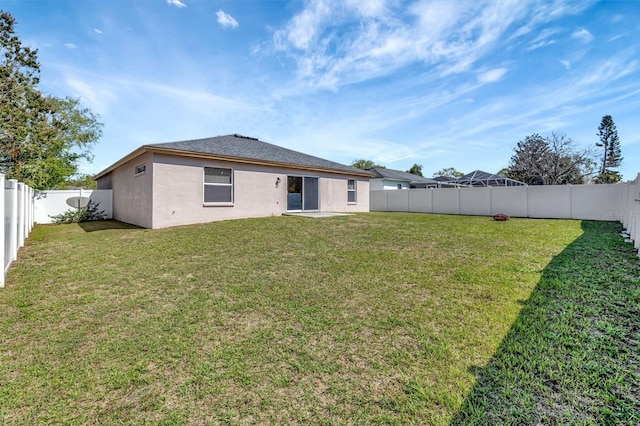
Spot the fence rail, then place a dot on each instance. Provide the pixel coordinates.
(54, 202)
(617, 202)
(17, 207)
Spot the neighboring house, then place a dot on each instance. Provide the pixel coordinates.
(395, 179)
(446, 182)
(478, 178)
(227, 177)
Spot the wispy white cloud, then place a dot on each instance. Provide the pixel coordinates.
(336, 43)
(70, 46)
(435, 82)
(582, 34)
(540, 44)
(226, 20)
(610, 70)
(544, 38)
(176, 3)
(303, 28)
(552, 107)
(96, 96)
(492, 76)
(97, 31)
(617, 18)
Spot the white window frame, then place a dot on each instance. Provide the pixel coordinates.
(354, 191)
(140, 170)
(205, 184)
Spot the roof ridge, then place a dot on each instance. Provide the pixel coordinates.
(237, 135)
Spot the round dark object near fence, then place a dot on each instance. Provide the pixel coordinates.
(501, 217)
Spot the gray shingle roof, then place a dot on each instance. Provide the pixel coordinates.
(399, 175)
(244, 147)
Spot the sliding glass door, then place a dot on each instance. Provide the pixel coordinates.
(310, 194)
(302, 193)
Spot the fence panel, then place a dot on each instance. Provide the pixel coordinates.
(629, 213)
(16, 206)
(55, 202)
(614, 202)
(475, 201)
(420, 201)
(551, 202)
(378, 201)
(446, 200)
(596, 202)
(587, 202)
(511, 201)
(398, 200)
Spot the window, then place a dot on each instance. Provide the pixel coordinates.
(139, 170)
(351, 191)
(399, 186)
(218, 185)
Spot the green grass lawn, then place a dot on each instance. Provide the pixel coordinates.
(367, 319)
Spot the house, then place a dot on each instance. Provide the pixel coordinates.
(227, 177)
(478, 178)
(395, 179)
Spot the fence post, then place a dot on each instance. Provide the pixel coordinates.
(431, 201)
(31, 207)
(491, 213)
(20, 216)
(25, 212)
(14, 219)
(570, 202)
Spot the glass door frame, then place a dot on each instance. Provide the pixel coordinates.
(304, 181)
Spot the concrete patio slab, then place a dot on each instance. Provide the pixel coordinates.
(316, 215)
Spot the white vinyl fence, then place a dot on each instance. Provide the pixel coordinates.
(617, 202)
(22, 207)
(55, 202)
(629, 213)
(17, 208)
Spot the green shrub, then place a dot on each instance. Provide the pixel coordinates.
(85, 214)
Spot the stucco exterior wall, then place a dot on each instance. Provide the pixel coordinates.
(132, 195)
(333, 194)
(178, 191)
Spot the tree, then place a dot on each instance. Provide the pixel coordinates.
(503, 171)
(448, 172)
(611, 156)
(609, 176)
(79, 181)
(554, 160)
(416, 169)
(365, 164)
(42, 138)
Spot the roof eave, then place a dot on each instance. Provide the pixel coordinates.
(138, 152)
(192, 154)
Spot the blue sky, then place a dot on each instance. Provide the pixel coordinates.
(438, 83)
